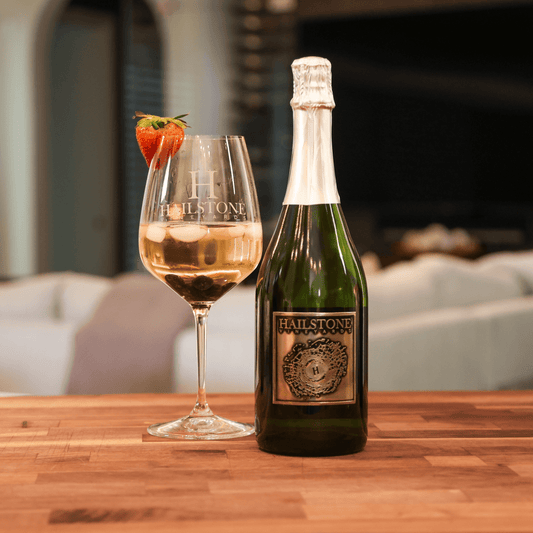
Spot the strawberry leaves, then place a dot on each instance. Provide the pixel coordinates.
(159, 122)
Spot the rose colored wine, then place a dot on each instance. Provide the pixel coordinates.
(200, 262)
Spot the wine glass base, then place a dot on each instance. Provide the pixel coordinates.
(201, 428)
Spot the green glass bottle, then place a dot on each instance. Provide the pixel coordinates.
(311, 298)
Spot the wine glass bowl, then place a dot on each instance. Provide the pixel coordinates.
(200, 234)
(201, 262)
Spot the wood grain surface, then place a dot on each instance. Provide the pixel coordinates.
(434, 462)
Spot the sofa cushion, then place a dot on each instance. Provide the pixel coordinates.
(230, 346)
(520, 264)
(30, 298)
(398, 290)
(236, 311)
(127, 346)
(460, 282)
(80, 295)
(230, 361)
(436, 281)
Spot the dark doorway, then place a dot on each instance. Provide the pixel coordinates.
(105, 63)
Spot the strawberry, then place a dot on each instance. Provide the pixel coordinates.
(152, 132)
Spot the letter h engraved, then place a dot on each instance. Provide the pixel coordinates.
(195, 184)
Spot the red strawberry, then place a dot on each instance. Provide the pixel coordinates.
(152, 131)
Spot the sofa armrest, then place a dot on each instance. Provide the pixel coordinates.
(481, 347)
(36, 355)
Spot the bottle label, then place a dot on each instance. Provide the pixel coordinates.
(314, 358)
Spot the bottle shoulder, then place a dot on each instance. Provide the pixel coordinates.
(311, 259)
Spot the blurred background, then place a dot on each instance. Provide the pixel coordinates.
(433, 120)
(432, 144)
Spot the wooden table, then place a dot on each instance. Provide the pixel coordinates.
(434, 462)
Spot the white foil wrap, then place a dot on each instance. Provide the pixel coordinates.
(312, 173)
(312, 83)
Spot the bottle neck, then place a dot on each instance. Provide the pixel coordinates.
(312, 173)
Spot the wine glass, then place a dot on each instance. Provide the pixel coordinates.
(200, 233)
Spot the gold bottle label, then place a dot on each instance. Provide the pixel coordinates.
(314, 358)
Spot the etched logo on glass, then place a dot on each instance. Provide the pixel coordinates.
(203, 203)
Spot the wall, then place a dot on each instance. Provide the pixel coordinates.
(196, 57)
(18, 235)
(198, 65)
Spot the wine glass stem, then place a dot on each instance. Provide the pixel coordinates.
(200, 315)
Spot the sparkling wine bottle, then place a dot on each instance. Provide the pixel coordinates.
(311, 299)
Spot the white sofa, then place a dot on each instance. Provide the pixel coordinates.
(434, 323)
(80, 334)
